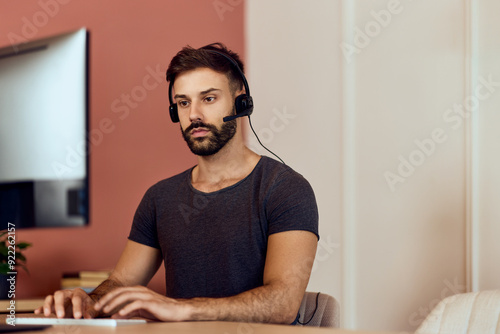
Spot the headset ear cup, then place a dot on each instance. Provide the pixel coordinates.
(174, 115)
(243, 105)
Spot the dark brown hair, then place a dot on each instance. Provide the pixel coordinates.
(190, 58)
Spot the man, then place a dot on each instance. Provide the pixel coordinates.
(237, 232)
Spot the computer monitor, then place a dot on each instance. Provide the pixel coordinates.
(44, 111)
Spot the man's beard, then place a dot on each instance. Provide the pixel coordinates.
(213, 141)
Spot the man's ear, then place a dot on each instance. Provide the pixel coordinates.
(239, 92)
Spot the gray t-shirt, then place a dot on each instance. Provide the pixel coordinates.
(214, 244)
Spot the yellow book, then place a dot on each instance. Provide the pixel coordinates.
(98, 274)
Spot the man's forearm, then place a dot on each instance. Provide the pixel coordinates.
(272, 303)
(269, 304)
(278, 300)
(103, 288)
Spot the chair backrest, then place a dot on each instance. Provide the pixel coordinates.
(320, 310)
(471, 313)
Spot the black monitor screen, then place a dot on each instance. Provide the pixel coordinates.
(43, 128)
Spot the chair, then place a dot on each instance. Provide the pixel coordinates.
(319, 310)
(471, 313)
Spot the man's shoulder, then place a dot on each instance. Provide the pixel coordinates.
(276, 170)
(280, 176)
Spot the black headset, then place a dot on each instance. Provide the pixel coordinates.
(243, 103)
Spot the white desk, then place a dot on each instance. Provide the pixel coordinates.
(202, 327)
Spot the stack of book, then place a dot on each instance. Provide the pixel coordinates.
(86, 280)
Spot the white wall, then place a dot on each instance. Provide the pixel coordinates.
(297, 96)
(403, 180)
(488, 139)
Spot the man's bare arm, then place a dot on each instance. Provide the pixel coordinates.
(289, 261)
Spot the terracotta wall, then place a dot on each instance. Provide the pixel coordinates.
(130, 40)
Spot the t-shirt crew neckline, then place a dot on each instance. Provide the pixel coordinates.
(226, 188)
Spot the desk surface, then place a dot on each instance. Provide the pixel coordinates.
(22, 305)
(204, 327)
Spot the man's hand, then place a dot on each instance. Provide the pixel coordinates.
(139, 301)
(70, 304)
(137, 265)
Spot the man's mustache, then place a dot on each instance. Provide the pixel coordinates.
(199, 124)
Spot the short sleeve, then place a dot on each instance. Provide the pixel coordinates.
(143, 228)
(292, 205)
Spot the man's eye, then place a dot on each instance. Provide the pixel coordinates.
(210, 98)
(183, 104)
